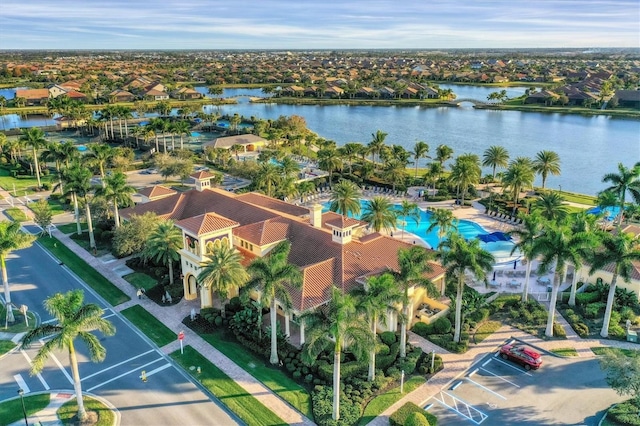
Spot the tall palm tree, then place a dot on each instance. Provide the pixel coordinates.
(558, 246)
(532, 225)
(465, 173)
(267, 178)
(519, 175)
(34, 137)
(443, 153)
(329, 160)
(545, 163)
(74, 320)
(345, 198)
(272, 276)
(222, 271)
(434, 171)
(377, 144)
(394, 172)
(380, 214)
(413, 264)
(182, 128)
(11, 238)
(100, 154)
(420, 150)
(495, 156)
(550, 206)
(408, 210)
(621, 250)
(459, 256)
(375, 299)
(350, 151)
(117, 191)
(337, 326)
(444, 221)
(164, 244)
(77, 182)
(627, 180)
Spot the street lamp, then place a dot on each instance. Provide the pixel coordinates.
(24, 410)
(560, 186)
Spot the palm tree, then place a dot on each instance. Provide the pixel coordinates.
(413, 264)
(336, 325)
(545, 163)
(222, 271)
(459, 256)
(627, 180)
(380, 214)
(100, 154)
(531, 228)
(11, 238)
(273, 276)
(519, 175)
(164, 244)
(375, 299)
(345, 198)
(620, 250)
(77, 182)
(443, 153)
(465, 173)
(434, 171)
(116, 191)
(377, 144)
(267, 177)
(329, 160)
(408, 209)
(551, 207)
(420, 150)
(75, 320)
(495, 156)
(34, 137)
(181, 128)
(444, 220)
(394, 172)
(557, 246)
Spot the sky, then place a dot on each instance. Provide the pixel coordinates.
(311, 24)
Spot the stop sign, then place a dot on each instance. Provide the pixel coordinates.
(181, 336)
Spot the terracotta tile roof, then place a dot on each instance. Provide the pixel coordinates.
(342, 222)
(229, 141)
(152, 192)
(272, 204)
(264, 233)
(32, 93)
(202, 175)
(205, 223)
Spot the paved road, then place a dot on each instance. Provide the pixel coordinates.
(34, 275)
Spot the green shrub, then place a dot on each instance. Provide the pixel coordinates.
(218, 321)
(592, 310)
(384, 361)
(558, 331)
(586, 298)
(388, 338)
(442, 325)
(422, 329)
(417, 419)
(616, 331)
(625, 413)
(401, 416)
(581, 329)
(445, 341)
(322, 398)
(627, 313)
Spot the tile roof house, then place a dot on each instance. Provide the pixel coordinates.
(328, 248)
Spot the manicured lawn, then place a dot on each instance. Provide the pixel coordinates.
(69, 409)
(140, 280)
(579, 198)
(149, 325)
(273, 378)
(23, 184)
(6, 346)
(112, 294)
(381, 402)
(19, 325)
(56, 206)
(565, 352)
(485, 330)
(600, 350)
(11, 411)
(70, 228)
(243, 404)
(16, 214)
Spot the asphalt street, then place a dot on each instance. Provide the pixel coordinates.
(168, 397)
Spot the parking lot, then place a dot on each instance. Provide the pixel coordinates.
(498, 392)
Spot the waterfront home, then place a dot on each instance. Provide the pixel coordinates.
(628, 98)
(120, 95)
(328, 248)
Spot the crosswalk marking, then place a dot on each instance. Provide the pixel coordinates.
(21, 383)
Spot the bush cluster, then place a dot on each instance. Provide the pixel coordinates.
(576, 323)
(625, 413)
(322, 398)
(402, 415)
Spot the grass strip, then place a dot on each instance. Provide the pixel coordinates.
(16, 214)
(243, 404)
(141, 280)
(485, 330)
(67, 412)
(149, 325)
(105, 288)
(19, 325)
(381, 402)
(11, 411)
(273, 378)
(567, 352)
(601, 350)
(6, 346)
(71, 228)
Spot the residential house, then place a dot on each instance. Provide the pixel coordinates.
(120, 95)
(628, 98)
(185, 93)
(248, 141)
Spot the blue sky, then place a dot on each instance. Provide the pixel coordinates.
(311, 24)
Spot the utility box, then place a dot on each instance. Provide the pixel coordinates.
(632, 336)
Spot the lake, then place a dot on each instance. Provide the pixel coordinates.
(589, 147)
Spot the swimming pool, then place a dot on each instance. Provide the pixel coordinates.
(501, 250)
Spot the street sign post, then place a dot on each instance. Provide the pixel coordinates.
(181, 338)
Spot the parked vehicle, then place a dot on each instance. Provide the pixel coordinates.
(522, 355)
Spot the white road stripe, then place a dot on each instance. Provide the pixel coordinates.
(511, 366)
(108, 316)
(61, 367)
(157, 370)
(486, 388)
(39, 376)
(116, 365)
(21, 383)
(499, 377)
(124, 374)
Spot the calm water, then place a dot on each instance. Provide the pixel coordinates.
(589, 147)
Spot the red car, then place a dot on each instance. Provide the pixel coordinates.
(523, 355)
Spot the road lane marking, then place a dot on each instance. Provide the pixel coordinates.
(39, 376)
(61, 367)
(116, 365)
(21, 383)
(142, 367)
(511, 366)
(157, 370)
(486, 388)
(499, 377)
(108, 316)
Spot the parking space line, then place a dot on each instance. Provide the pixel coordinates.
(108, 316)
(39, 376)
(116, 365)
(142, 367)
(485, 388)
(499, 377)
(515, 368)
(470, 408)
(21, 383)
(64, 371)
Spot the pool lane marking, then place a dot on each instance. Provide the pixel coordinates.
(39, 376)
(142, 367)
(499, 377)
(116, 365)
